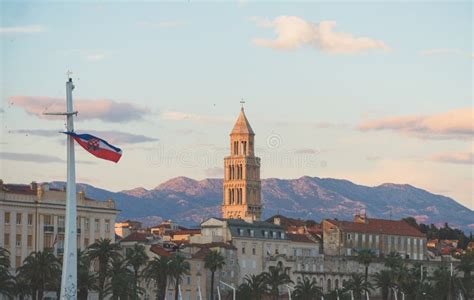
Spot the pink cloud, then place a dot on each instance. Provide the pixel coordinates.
(101, 109)
(421, 218)
(293, 32)
(457, 123)
(454, 157)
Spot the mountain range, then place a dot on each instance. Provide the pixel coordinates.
(188, 201)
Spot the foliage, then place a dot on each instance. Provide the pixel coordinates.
(178, 267)
(121, 285)
(253, 287)
(358, 286)
(157, 271)
(86, 280)
(307, 290)
(383, 281)
(136, 258)
(38, 270)
(213, 261)
(101, 254)
(7, 282)
(365, 257)
(274, 278)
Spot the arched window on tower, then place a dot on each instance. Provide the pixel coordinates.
(245, 147)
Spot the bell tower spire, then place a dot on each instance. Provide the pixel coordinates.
(242, 186)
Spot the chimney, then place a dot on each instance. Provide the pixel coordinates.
(34, 186)
(277, 221)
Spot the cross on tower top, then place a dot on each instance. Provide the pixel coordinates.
(242, 102)
(69, 73)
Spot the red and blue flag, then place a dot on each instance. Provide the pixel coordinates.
(97, 146)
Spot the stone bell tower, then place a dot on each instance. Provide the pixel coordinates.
(242, 186)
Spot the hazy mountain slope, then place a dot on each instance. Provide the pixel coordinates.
(190, 201)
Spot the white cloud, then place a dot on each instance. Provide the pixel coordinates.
(293, 32)
(22, 29)
(454, 157)
(454, 124)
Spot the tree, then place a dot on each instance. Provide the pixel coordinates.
(365, 257)
(466, 266)
(157, 270)
(22, 288)
(86, 280)
(213, 261)
(274, 278)
(446, 286)
(38, 270)
(101, 253)
(121, 284)
(383, 281)
(136, 258)
(178, 267)
(253, 287)
(7, 282)
(393, 261)
(307, 290)
(358, 286)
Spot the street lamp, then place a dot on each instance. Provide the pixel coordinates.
(289, 291)
(230, 286)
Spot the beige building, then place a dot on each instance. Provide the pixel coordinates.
(261, 245)
(32, 219)
(345, 238)
(125, 228)
(242, 186)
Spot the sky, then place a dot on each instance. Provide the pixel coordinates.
(370, 92)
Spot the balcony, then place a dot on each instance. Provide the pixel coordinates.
(48, 228)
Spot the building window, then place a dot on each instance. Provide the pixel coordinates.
(18, 240)
(47, 220)
(18, 219)
(274, 234)
(188, 280)
(107, 226)
(6, 239)
(17, 261)
(48, 241)
(61, 221)
(243, 250)
(96, 225)
(30, 240)
(7, 218)
(348, 236)
(252, 233)
(86, 242)
(254, 251)
(86, 223)
(30, 219)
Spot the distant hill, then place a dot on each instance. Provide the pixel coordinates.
(188, 201)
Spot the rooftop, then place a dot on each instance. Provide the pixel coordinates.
(380, 226)
(242, 125)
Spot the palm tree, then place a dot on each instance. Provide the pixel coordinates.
(86, 280)
(157, 270)
(358, 286)
(39, 269)
(178, 267)
(213, 261)
(101, 253)
(274, 278)
(136, 258)
(307, 290)
(22, 288)
(393, 260)
(383, 281)
(466, 266)
(365, 257)
(446, 286)
(7, 282)
(121, 285)
(254, 287)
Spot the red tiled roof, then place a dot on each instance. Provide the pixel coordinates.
(136, 237)
(160, 251)
(201, 253)
(300, 238)
(212, 245)
(380, 226)
(186, 231)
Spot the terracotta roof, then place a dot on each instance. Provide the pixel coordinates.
(186, 231)
(286, 222)
(212, 245)
(300, 238)
(160, 251)
(136, 237)
(201, 253)
(380, 226)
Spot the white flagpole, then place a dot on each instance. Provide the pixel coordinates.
(69, 272)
